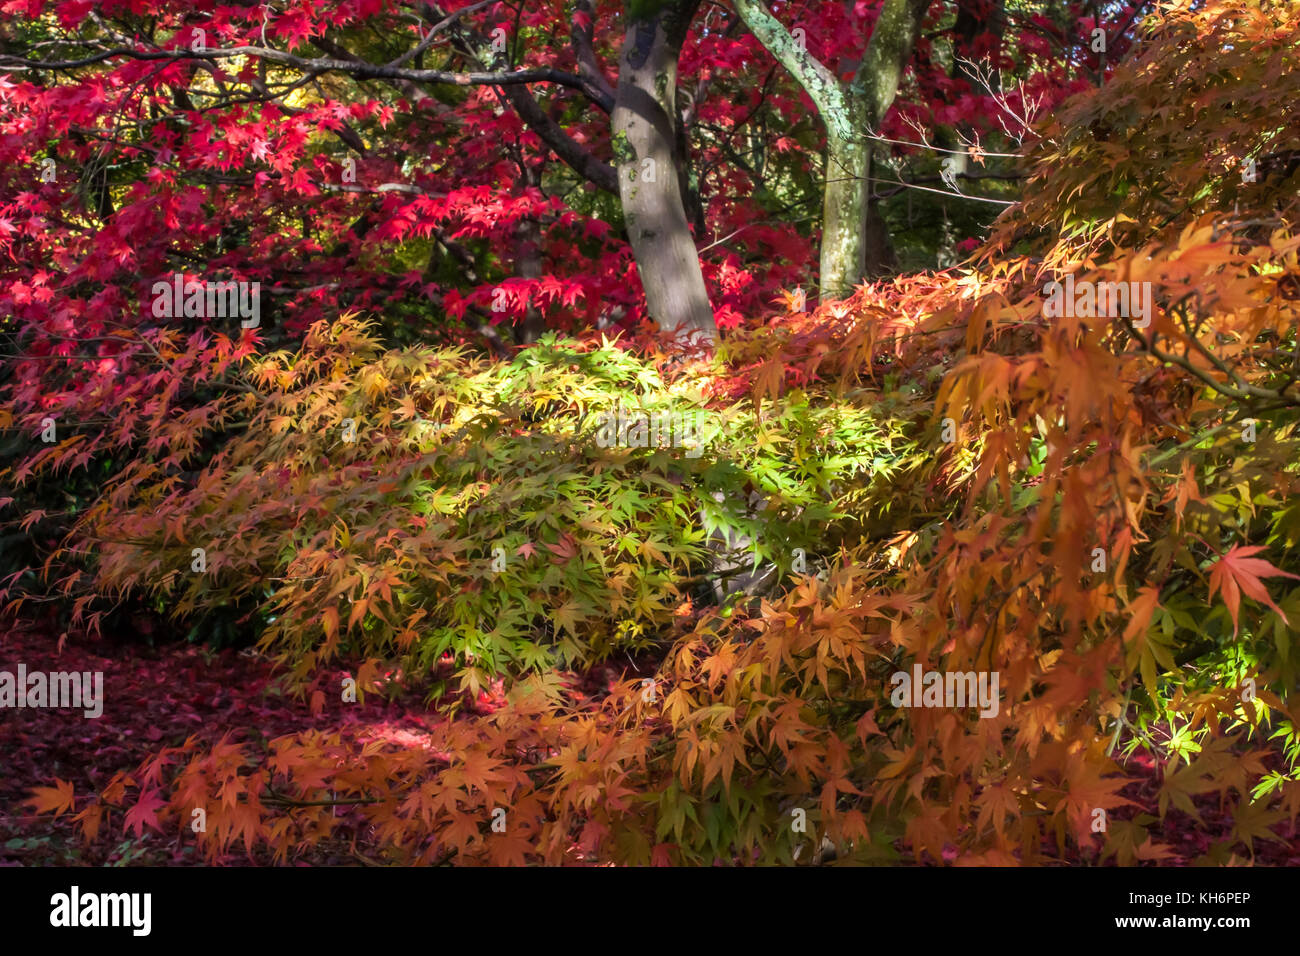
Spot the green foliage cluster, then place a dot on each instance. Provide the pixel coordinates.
(416, 502)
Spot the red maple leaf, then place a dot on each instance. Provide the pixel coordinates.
(564, 549)
(1237, 573)
(145, 812)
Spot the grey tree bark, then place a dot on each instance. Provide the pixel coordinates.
(645, 129)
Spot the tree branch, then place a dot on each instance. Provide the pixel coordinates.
(601, 92)
(821, 85)
(317, 66)
(575, 156)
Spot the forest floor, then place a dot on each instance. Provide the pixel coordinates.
(157, 696)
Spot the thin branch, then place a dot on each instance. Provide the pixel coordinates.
(437, 28)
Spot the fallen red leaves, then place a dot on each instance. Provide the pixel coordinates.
(154, 698)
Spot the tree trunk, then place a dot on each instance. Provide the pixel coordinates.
(649, 180)
(844, 212)
(528, 261)
(876, 84)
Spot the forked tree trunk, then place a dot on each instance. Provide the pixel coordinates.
(855, 239)
(649, 181)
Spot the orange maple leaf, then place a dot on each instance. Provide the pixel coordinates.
(57, 799)
(794, 301)
(1237, 572)
(1150, 850)
(90, 819)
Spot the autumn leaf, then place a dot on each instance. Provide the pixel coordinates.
(1237, 573)
(1144, 648)
(564, 549)
(56, 799)
(566, 616)
(768, 379)
(90, 820)
(145, 813)
(1255, 819)
(1154, 852)
(330, 622)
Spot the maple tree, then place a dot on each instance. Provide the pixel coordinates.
(951, 470)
